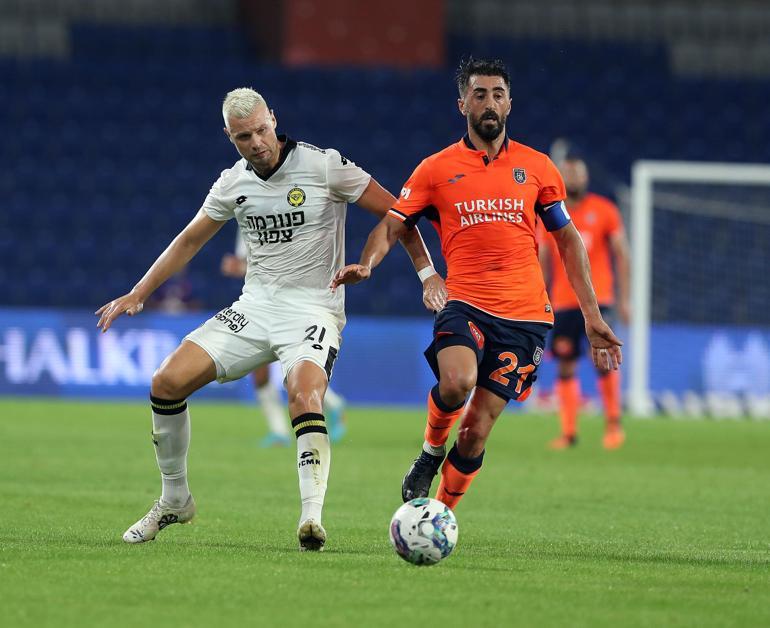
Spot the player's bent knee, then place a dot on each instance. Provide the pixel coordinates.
(455, 387)
(167, 385)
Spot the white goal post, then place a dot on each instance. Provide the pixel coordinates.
(644, 176)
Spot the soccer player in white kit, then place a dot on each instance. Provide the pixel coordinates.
(269, 397)
(289, 199)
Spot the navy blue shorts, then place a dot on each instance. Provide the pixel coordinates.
(507, 352)
(568, 338)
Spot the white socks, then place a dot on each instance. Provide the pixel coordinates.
(171, 436)
(439, 452)
(313, 462)
(272, 406)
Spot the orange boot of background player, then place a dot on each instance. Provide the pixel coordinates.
(568, 395)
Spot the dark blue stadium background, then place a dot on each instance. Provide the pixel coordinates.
(107, 155)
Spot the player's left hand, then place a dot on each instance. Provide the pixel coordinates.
(605, 345)
(434, 293)
(352, 273)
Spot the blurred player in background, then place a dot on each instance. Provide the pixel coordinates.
(235, 265)
(600, 225)
(484, 195)
(290, 201)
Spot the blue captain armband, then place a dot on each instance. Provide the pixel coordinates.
(554, 216)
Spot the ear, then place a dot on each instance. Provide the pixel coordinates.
(461, 105)
(227, 133)
(275, 121)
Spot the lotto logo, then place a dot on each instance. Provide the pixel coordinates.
(405, 192)
(308, 458)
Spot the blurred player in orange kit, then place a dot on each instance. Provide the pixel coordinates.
(484, 194)
(600, 225)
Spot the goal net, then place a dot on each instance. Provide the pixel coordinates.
(700, 331)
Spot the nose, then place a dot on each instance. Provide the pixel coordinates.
(256, 143)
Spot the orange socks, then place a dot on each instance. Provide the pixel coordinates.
(568, 394)
(441, 418)
(609, 387)
(457, 473)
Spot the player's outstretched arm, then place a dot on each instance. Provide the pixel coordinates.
(378, 201)
(181, 250)
(605, 346)
(380, 241)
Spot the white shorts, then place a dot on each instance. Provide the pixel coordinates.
(250, 333)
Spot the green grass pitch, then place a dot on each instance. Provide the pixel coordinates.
(672, 530)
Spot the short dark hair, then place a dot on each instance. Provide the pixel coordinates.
(480, 67)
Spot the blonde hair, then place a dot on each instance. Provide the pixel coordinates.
(240, 103)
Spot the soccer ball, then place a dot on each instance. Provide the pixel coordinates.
(423, 531)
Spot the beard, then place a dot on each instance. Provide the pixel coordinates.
(576, 191)
(483, 127)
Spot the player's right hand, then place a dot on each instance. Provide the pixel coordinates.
(352, 273)
(434, 293)
(129, 304)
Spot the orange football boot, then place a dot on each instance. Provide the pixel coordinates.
(614, 437)
(563, 442)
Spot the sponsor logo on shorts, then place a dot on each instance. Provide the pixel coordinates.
(232, 319)
(477, 335)
(538, 356)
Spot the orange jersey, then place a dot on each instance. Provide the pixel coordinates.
(485, 214)
(596, 218)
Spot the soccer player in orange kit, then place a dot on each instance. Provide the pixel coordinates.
(484, 195)
(600, 225)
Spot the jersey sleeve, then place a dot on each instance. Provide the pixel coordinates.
(415, 197)
(216, 205)
(346, 181)
(550, 198)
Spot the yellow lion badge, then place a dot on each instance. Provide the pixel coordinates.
(296, 197)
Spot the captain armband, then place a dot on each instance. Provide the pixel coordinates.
(554, 216)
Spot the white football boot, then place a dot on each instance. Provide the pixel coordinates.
(311, 535)
(160, 516)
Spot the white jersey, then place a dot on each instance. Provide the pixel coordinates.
(292, 223)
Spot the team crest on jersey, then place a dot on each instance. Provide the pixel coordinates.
(477, 335)
(296, 196)
(538, 356)
(519, 175)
